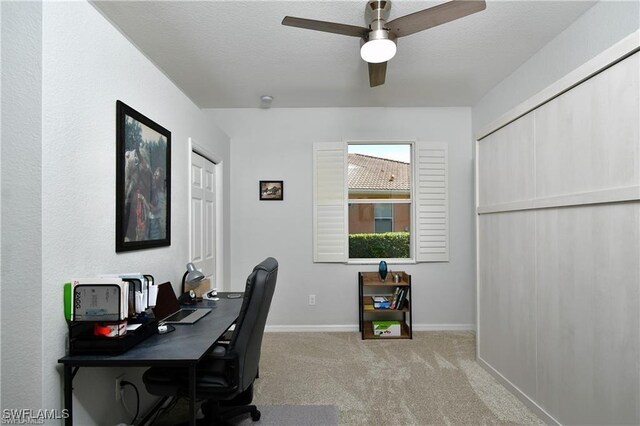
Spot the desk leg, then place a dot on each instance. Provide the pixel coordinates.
(192, 395)
(360, 314)
(68, 394)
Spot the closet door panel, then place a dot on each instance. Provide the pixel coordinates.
(588, 138)
(588, 297)
(507, 296)
(505, 164)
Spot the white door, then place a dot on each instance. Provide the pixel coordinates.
(203, 215)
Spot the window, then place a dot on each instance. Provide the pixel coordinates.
(379, 196)
(367, 206)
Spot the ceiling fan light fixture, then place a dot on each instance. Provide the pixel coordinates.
(380, 45)
(377, 51)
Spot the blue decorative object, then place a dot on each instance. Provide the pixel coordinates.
(382, 270)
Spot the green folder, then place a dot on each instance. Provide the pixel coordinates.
(67, 301)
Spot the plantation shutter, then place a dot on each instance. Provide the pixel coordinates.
(432, 202)
(329, 202)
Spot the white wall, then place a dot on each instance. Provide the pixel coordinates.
(68, 204)
(21, 205)
(277, 144)
(600, 27)
(1, 26)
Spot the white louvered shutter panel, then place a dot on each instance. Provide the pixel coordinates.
(432, 202)
(329, 204)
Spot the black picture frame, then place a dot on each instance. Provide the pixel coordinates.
(271, 190)
(143, 181)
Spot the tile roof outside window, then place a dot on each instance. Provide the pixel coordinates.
(367, 173)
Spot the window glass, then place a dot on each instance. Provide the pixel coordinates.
(383, 218)
(378, 173)
(383, 225)
(383, 211)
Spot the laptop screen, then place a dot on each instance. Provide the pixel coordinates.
(167, 302)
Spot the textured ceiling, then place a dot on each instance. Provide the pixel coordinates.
(225, 54)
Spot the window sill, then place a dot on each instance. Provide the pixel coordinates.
(377, 261)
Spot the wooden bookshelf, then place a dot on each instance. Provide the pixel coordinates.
(370, 285)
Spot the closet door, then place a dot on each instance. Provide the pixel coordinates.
(507, 296)
(587, 138)
(559, 249)
(588, 295)
(507, 323)
(506, 164)
(588, 254)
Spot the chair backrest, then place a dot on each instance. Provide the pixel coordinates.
(247, 337)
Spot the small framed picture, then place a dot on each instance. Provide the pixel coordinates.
(271, 190)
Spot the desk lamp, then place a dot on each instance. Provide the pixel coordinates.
(191, 276)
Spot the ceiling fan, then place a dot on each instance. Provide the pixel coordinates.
(379, 38)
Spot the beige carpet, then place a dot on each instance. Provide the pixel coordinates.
(430, 380)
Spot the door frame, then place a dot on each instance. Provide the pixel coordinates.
(194, 146)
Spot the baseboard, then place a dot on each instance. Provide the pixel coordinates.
(309, 328)
(533, 406)
(354, 328)
(444, 327)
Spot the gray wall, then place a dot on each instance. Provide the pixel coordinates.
(64, 67)
(277, 144)
(21, 178)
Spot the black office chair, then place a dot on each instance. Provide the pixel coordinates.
(225, 376)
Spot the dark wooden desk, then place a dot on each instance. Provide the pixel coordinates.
(183, 347)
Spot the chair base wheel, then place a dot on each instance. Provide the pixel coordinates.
(255, 415)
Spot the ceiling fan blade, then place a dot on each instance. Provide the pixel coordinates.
(329, 27)
(377, 74)
(434, 16)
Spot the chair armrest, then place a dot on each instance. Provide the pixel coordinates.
(225, 339)
(220, 362)
(218, 352)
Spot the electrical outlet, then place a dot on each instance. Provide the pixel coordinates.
(119, 379)
(312, 299)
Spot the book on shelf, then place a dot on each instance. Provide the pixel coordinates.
(402, 297)
(381, 302)
(394, 300)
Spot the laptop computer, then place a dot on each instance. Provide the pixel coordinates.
(168, 310)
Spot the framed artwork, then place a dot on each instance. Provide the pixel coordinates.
(271, 190)
(143, 181)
